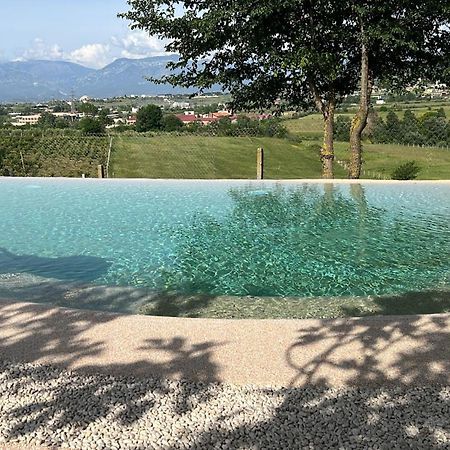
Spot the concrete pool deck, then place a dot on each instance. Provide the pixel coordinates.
(404, 350)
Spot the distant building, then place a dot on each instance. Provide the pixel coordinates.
(131, 119)
(84, 99)
(31, 119)
(180, 105)
(188, 118)
(66, 115)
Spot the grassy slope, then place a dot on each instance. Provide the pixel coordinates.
(313, 123)
(228, 157)
(211, 157)
(384, 158)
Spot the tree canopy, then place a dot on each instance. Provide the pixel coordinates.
(149, 118)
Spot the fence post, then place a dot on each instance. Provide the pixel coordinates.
(109, 156)
(100, 171)
(260, 164)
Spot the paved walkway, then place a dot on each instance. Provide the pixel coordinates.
(295, 353)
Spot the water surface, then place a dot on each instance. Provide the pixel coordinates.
(220, 238)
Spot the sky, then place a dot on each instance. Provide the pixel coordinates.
(87, 32)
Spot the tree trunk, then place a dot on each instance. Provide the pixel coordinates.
(359, 122)
(327, 150)
(327, 109)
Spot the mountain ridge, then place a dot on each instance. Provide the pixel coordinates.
(42, 80)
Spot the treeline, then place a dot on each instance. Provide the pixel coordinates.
(151, 118)
(243, 126)
(430, 129)
(52, 153)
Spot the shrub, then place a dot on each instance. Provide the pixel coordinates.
(406, 171)
(342, 128)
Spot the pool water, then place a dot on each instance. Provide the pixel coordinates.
(239, 238)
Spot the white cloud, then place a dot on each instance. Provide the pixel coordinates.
(138, 44)
(41, 50)
(91, 55)
(134, 45)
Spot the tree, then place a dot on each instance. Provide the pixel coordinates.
(393, 126)
(149, 118)
(171, 123)
(62, 123)
(61, 107)
(47, 120)
(400, 43)
(90, 125)
(88, 108)
(273, 54)
(103, 117)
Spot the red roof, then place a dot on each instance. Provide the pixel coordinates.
(187, 118)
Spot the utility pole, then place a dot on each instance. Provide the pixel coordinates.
(72, 101)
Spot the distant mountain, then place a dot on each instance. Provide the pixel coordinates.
(38, 80)
(32, 81)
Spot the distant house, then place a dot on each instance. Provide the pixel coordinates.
(31, 119)
(66, 115)
(205, 119)
(188, 118)
(131, 119)
(180, 105)
(221, 114)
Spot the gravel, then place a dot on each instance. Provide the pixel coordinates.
(49, 407)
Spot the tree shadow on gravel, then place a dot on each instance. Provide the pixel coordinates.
(92, 394)
(397, 403)
(390, 402)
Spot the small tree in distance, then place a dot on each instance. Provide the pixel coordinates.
(88, 125)
(172, 123)
(149, 118)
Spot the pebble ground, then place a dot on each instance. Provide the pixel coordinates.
(49, 407)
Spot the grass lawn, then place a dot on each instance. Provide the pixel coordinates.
(312, 125)
(204, 157)
(382, 159)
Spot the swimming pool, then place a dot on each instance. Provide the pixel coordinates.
(60, 238)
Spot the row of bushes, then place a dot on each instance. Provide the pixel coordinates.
(431, 129)
(151, 118)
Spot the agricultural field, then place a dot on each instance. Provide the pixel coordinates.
(38, 153)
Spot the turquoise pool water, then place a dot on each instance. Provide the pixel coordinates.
(224, 238)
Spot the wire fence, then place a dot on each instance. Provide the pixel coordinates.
(209, 156)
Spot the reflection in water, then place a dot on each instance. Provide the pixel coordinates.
(68, 268)
(306, 241)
